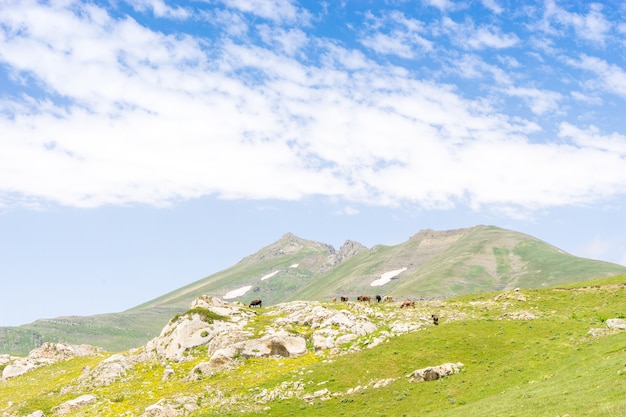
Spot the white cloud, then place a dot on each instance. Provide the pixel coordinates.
(539, 101)
(129, 115)
(592, 138)
(468, 36)
(275, 10)
(610, 78)
(395, 34)
(592, 27)
(493, 6)
(160, 9)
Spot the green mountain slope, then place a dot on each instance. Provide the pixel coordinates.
(430, 265)
(439, 264)
(528, 353)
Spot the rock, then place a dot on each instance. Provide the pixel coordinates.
(281, 344)
(192, 329)
(171, 407)
(46, 354)
(73, 405)
(37, 413)
(109, 370)
(519, 315)
(619, 324)
(432, 373)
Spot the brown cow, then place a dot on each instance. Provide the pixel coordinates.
(435, 319)
(388, 299)
(256, 303)
(345, 299)
(364, 298)
(334, 299)
(408, 303)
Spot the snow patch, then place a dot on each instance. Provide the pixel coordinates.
(294, 266)
(264, 277)
(386, 277)
(237, 293)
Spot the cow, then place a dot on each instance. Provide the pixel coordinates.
(388, 299)
(345, 299)
(378, 298)
(364, 298)
(435, 319)
(256, 303)
(408, 303)
(334, 299)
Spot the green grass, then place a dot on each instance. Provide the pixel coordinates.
(548, 366)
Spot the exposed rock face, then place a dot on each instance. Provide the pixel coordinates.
(280, 344)
(194, 329)
(109, 370)
(46, 354)
(347, 250)
(432, 373)
(331, 327)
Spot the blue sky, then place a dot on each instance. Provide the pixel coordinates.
(147, 144)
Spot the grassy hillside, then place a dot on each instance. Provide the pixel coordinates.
(455, 262)
(434, 265)
(543, 364)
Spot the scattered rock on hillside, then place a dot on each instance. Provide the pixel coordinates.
(75, 404)
(432, 373)
(171, 407)
(46, 354)
(619, 324)
(281, 344)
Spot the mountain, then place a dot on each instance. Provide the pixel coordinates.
(429, 265)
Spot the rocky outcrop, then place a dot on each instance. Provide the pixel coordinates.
(46, 354)
(347, 251)
(331, 328)
(432, 373)
(210, 322)
(109, 370)
(75, 404)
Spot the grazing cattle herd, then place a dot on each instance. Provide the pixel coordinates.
(364, 298)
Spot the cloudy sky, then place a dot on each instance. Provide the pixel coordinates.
(146, 144)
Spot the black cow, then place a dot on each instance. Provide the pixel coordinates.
(256, 303)
(435, 319)
(378, 298)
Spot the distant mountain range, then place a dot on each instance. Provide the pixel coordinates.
(429, 265)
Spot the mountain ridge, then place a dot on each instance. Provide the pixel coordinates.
(430, 264)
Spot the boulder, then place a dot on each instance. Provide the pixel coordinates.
(619, 324)
(109, 370)
(46, 354)
(75, 404)
(432, 373)
(171, 407)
